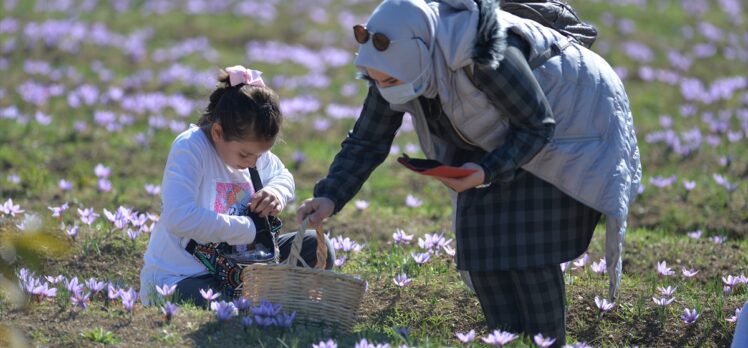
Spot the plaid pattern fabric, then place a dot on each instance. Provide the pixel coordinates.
(529, 301)
(519, 221)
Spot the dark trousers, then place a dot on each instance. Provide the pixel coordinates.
(188, 290)
(527, 301)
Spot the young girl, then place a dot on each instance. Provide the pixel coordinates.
(217, 172)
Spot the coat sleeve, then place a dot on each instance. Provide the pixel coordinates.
(516, 94)
(278, 179)
(366, 146)
(183, 216)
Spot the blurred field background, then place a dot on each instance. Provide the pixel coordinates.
(93, 92)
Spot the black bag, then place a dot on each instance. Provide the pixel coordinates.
(554, 14)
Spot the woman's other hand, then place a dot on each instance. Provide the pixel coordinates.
(467, 182)
(316, 209)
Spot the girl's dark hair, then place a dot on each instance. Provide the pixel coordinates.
(245, 112)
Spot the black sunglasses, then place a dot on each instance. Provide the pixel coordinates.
(379, 40)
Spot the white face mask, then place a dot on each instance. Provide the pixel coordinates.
(405, 92)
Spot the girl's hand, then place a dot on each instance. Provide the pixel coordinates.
(265, 202)
(316, 209)
(467, 182)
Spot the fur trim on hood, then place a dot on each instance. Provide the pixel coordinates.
(490, 40)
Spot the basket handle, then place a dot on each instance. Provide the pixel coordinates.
(295, 254)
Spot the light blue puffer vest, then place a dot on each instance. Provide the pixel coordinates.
(593, 155)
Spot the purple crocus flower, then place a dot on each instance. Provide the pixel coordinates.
(209, 295)
(662, 182)
(402, 280)
(689, 316)
(128, 299)
(731, 281)
(58, 211)
(543, 341)
(664, 301)
(113, 293)
(104, 185)
(285, 320)
(580, 262)
(133, 234)
(420, 258)
(152, 190)
(722, 181)
(43, 290)
(166, 289)
(224, 310)
(717, 239)
(73, 286)
(361, 204)
(564, 266)
(72, 231)
(599, 267)
(400, 237)
(11, 209)
(339, 262)
(466, 337)
(603, 304)
(689, 185)
(79, 299)
(247, 322)
(95, 285)
(734, 318)
(695, 234)
(412, 201)
(14, 179)
(346, 244)
(688, 273)
(55, 280)
(263, 321)
(499, 338)
(65, 185)
(266, 309)
(169, 309)
(663, 269)
(667, 292)
(578, 345)
(325, 344)
(242, 304)
(88, 216)
(101, 171)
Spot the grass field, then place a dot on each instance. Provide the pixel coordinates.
(93, 93)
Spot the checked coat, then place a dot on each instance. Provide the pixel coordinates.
(518, 221)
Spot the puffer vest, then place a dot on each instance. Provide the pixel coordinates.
(593, 155)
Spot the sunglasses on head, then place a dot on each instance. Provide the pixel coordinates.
(379, 40)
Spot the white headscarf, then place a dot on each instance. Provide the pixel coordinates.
(411, 27)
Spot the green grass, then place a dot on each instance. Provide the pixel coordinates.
(436, 304)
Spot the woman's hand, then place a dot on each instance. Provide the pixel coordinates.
(265, 202)
(467, 182)
(316, 209)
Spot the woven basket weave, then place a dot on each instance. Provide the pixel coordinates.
(319, 297)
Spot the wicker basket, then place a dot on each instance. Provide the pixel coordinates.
(319, 297)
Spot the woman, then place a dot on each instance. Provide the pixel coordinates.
(554, 147)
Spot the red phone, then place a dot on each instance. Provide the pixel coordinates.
(433, 167)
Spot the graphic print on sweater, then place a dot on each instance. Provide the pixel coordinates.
(233, 198)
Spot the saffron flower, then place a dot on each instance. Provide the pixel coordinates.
(662, 302)
(599, 267)
(43, 290)
(689, 316)
(247, 322)
(325, 344)
(578, 345)
(663, 269)
(58, 211)
(152, 190)
(695, 234)
(11, 209)
(166, 290)
(95, 285)
(224, 310)
(402, 280)
(420, 258)
(339, 262)
(128, 299)
(603, 304)
(209, 295)
(580, 262)
(412, 201)
(169, 309)
(731, 281)
(101, 171)
(564, 266)
(734, 318)
(88, 216)
(346, 244)
(242, 304)
(466, 337)
(667, 292)
(361, 204)
(499, 338)
(79, 299)
(400, 237)
(285, 320)
(65, 185)
(542, 341)
(688, 273)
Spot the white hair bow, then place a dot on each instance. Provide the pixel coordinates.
(239, 74)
